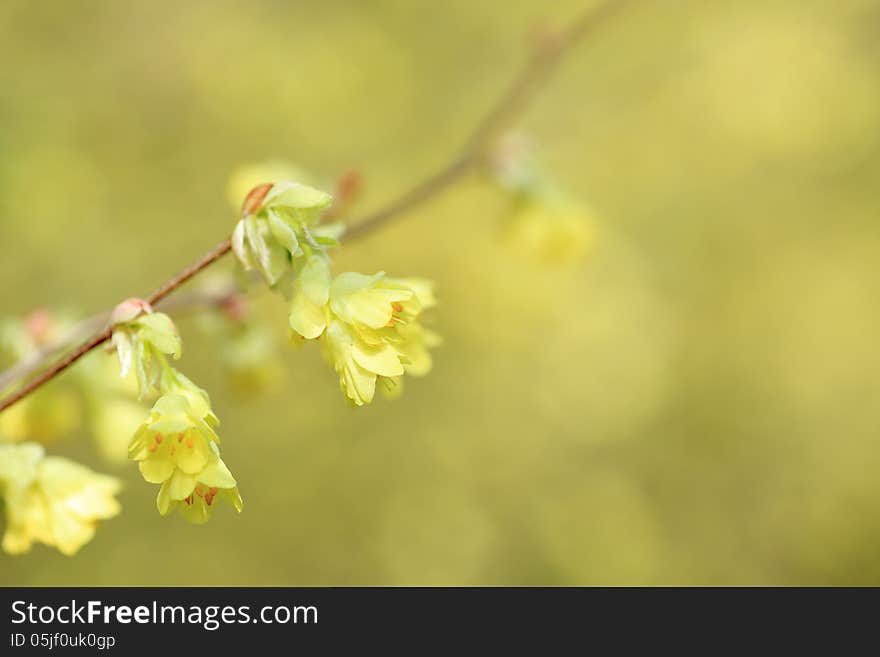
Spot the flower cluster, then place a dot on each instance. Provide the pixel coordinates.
(369, 326)
(51, 500)
(545, 224)
(176, 446)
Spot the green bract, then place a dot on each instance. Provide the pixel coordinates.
(277, 233)
(142, 339)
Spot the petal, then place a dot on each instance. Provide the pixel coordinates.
(314, 280)
(381, 359)
(156, 469)
(233, 497)
(163, 499)
(350, 282)
(358, 383)
(306, 318)
(358, 298)
(192, 454)
(180, 485)
(217, 475)
(418, 361)
(422, 287)
(197, 512)
(171, 404)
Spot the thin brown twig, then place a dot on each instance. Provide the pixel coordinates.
(536, 71)
(82, 329)
(511, 104)
(32, 361)
(107, 332)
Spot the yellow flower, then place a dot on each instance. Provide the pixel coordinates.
(245, 348)
(550, 228)
(177, 447)
(369, 326)
(51, 500)
(546, 224)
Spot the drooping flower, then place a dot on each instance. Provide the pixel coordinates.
(246, 349)
(51, 500)
(142, 339)
(279, 229)
(549, 227)
(369, 327)
(545, 224)
(178, 448)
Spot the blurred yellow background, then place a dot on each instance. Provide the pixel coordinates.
(695, 403)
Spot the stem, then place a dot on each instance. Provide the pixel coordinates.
(172, 284)
(524, 87)
(106, 333)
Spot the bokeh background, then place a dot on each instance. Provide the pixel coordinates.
(693, 403)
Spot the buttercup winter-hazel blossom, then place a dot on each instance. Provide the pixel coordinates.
(51, 500)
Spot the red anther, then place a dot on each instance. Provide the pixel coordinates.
(158, 439)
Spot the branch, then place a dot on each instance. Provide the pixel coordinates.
(507, 109)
